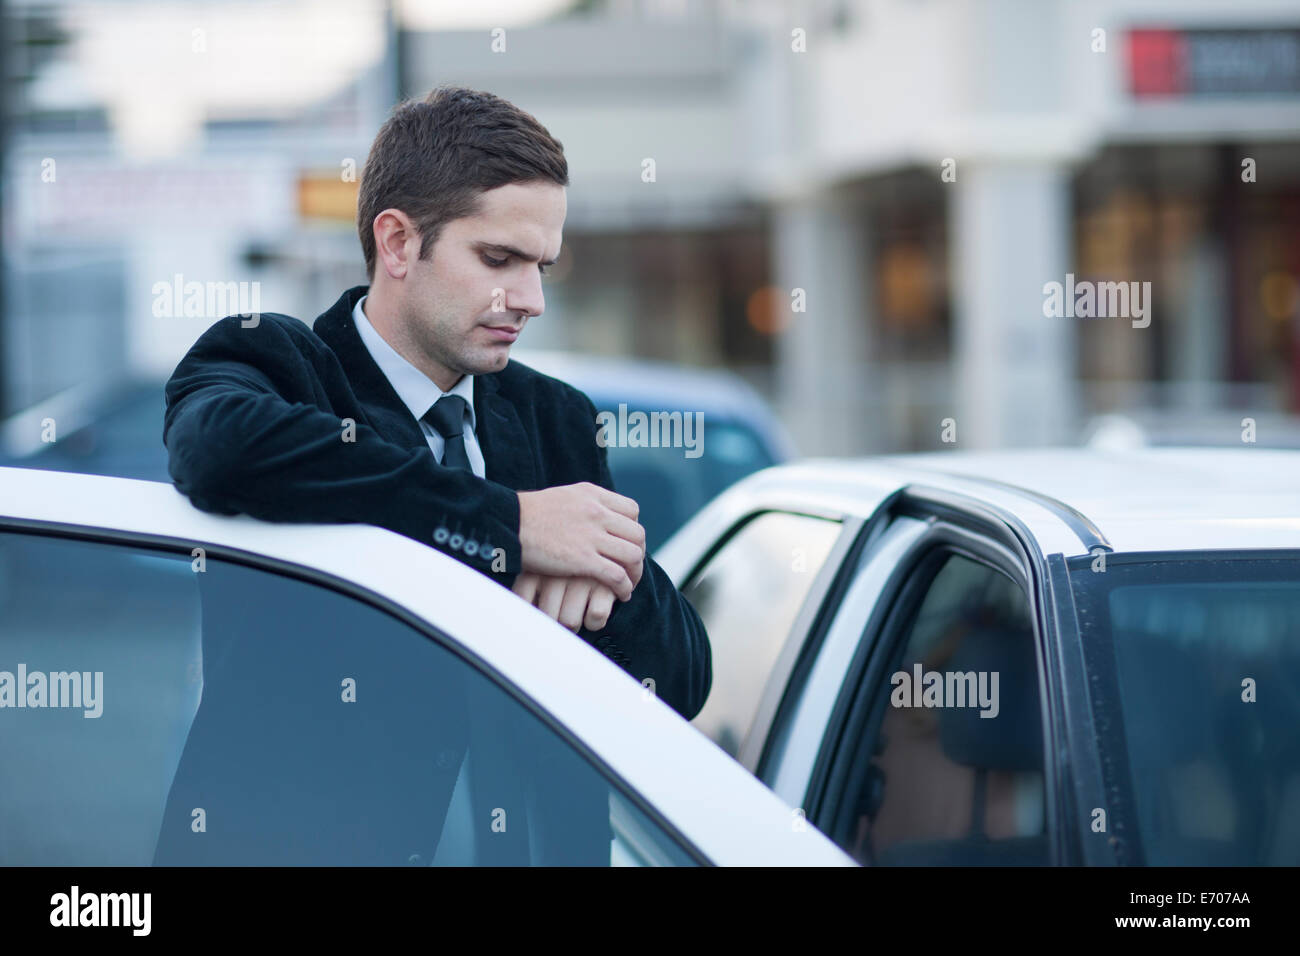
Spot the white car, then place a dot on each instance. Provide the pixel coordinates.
(183, 688)
(1021, 657)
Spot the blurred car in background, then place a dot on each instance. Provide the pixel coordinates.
(1139, 610)
(99, 428)
(740, 433)
(116, 429)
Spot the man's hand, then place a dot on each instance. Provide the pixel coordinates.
(582, 531)
(574, 602)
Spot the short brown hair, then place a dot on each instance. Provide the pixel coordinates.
(432, 158)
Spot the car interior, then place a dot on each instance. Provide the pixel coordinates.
(943, 785)
(1216, 776)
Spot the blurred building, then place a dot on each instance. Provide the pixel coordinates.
(155, 146)
(1112, 141)
(911, 175)
(664, 242)
(857, 205)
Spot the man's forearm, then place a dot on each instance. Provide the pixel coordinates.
(235, 446)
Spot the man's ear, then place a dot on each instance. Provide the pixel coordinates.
(396, 242)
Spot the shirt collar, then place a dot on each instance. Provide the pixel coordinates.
(417, 391)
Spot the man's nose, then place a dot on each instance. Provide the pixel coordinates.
(526, 297)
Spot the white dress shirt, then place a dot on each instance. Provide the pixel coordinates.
(418, 392)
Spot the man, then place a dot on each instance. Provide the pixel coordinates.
(400, 407)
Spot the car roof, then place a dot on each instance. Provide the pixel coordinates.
(1147, 499)
(729, 815)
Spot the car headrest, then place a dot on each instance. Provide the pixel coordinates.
(1012, 740)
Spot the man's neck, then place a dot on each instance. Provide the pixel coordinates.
(384, 321)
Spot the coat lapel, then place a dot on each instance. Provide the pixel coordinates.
(507, 451)
(387, 414)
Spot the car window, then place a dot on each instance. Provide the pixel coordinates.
(748, 596)
(949, 771)
(169, 709)
(1194, 660)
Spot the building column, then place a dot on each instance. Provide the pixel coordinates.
(823, 369)
(1016, 380)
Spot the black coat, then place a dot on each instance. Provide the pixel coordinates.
(255, 423)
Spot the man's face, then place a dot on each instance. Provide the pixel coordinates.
(464, 306)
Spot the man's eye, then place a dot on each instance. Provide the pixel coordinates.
(498, 263)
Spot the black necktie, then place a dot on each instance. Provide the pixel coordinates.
(447, 416)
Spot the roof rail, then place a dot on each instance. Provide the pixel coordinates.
(1078, 522)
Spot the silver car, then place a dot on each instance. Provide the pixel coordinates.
(1057, 656)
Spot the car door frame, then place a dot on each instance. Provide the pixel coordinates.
(847, 538)
(998, 538)
(690, 550)
(1087, 790)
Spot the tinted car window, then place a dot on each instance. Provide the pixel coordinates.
(952, 774)
(748, 596)
(159, 708)
(1197, 664)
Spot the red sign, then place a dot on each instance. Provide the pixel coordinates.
(1214, 63)
(1157, 62)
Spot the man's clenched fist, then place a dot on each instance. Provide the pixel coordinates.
(584, 531)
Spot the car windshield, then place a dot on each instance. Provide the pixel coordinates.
(1194, 672)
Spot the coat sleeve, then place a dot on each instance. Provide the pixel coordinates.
(250, 429)
(656, 634)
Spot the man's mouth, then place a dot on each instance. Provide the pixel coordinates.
(505, 333)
